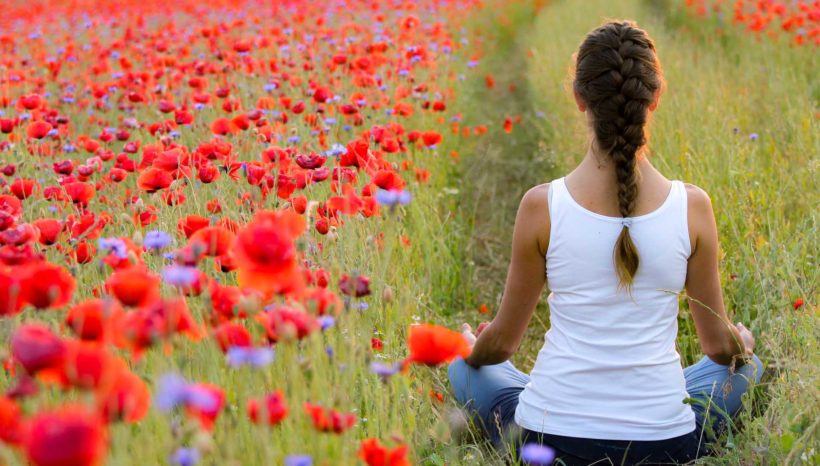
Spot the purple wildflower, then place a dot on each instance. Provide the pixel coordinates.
(179, 275)
(392, 197)
(753, 136)
(384, 371)
(254, 357)
(172, 392)
(325, 322)
(199, 398)
(156, 239)
(115, 246)
(298, 460)
(537, 455)
(185, 457)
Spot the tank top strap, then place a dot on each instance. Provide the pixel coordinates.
(555, 198)
(682, 201)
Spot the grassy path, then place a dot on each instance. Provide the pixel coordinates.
(739, 119)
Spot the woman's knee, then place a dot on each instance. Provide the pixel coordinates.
(458, 373)
(755, 369)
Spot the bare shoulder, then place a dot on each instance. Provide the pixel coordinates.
(534, 215)
(701, 219)
(698, 200)
(535, 201)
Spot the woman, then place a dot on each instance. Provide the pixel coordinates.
(618, 241)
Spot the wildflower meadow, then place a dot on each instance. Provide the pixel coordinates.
(246, 232)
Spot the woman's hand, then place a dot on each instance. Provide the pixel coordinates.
(747, 337)
(467, 331)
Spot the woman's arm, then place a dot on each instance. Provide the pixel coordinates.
(721, 341)
(525, 282)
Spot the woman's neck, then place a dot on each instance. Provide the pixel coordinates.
(600, 164)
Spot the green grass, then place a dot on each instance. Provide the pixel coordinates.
(764, 192)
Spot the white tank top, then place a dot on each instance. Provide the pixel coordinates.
(609, 368)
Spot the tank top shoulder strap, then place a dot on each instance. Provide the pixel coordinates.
(555, 197)
(682, 201)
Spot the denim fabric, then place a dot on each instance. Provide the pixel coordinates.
(490, 394)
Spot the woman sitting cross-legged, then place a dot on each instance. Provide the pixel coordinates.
(617, 242)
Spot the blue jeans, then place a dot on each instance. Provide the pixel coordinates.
(490, 394)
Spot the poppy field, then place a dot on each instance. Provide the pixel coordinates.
(244, 231)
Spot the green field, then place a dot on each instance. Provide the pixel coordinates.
(721, 88)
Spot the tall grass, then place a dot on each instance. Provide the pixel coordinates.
(739, 119)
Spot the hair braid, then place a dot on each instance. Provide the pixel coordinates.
(617, 76)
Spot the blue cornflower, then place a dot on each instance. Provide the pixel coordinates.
(298, 460)
(116, 246)
(156, 239)
(325, 322)
(392, 197)
(179, 275)
(185, 457)
(537, 455)
(254, 357)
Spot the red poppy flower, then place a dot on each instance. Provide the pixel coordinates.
(11, 300)
(45, 285)
(191, 224)
(92, 319)
(230, 334)
(375, 454)
(285, 323)
(322, 301)
(265, 252)
(222, 127)
(209, 402)
(49, 229)
(84, 365)
(24, 188)
(133, 286)
(207, 173)
(153, 179)
(84, 252)
(11, 421)
(329, 420)
(69, 435)
(357, 286)
(80, 193)
(19, 235)
(156, 321)
(126, 398)
(35, 348)
(38, 129)
(225, 302)
(216, 240)
(433, 345)
(430, 138)
(31, 101)
(273, 407)
(376, 344)
(10, 211)
(508, 125)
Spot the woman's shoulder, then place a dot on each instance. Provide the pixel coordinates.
(534, 215)
(536, 200)
(698, 199)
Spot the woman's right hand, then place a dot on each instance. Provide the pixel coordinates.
(747, 337)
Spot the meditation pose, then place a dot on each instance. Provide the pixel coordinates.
(616, 242)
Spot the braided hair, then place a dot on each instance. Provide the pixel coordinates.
(617, 75)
